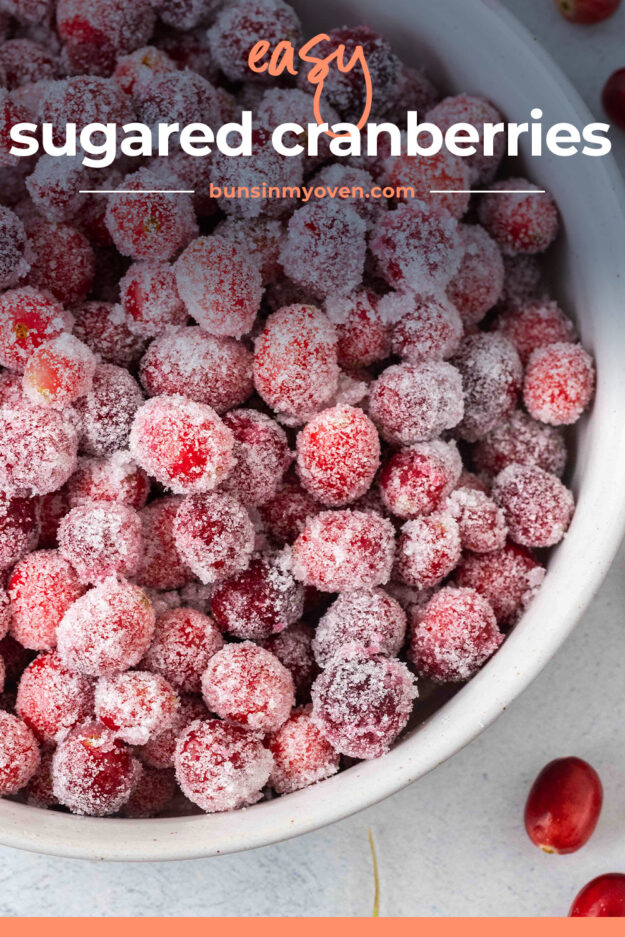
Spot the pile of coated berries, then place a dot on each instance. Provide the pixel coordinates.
(263, 464)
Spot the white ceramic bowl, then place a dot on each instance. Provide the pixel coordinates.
(477, 47)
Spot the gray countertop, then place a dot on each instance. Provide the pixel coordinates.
(452, 844)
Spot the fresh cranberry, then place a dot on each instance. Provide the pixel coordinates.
(614, 98)
(587, 11)
(563, 805)
(603, 897)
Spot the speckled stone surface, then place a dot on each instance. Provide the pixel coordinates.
(452, 844)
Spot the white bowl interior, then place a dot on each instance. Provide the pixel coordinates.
(474, 47)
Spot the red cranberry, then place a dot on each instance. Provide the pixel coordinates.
(603, 897)
(587, 11)
(614, 98)
(563, 805)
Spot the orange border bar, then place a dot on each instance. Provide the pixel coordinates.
(313, 927)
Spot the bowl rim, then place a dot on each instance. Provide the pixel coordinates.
(456, 723)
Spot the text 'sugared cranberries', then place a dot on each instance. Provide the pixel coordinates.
(52, 699)
(59, 372)
(416, 480)
(338, 454)
(27, 320)
(479, 282)
(221, 767)
(476, 111)
(559, 383)
(417, 248)
(587, 11)
(42, 587)
(481, 522)
(161, 566)
(519, 223)
(184, 642)
(19, 754)
(613, 98)
(563, 805)
(508, 579)
(428, 549)
(492, 376)
(206, 368)
(148, 226)
(534, 325)
(295, 361)
(93, 772)
(248, 686)
(361, 704)
(424, 328)
(159, 751)
(453, 635)
(262, 600)
(108, 410)
(262, 456)
(239, 26)
(415, 402)
(537, 506)
(19, 528)
(339, 551)
(293, 648)
(219, 286)
(214, 536)
(39, 447)
(182, 443)
(363, 337)
(603, 897)
(101, 539)
(520, 439)
(368, 621)
(301, 754)
(107, 630)
(150, 300)
(137, 705)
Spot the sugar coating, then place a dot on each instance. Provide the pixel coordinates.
(136, 705)
(521, 224)
(416, 480)
(38, 792)
(13, 254)
(182, 443)
(184, 641)
(151, 795)
(161, 566)
(481, 522)
(101, 30)
(423, 328)
(187, 14)
(416, 402)
(107, 630)
(19, 754)
(366, 620)
(238, 27)
(339, 551)
(341, 176)
(262, 454)
(417, 248)
(213, 535)
(295, 361)
(101, 539)
(93, 772)
(183, 97)
(477, 111)
(159, 751)
(324, 251)
(361, 704)
(62, 261)
(215, 370)
(428, 550)
(52, 699)
(534, 325)
(559, 383)
(363, 336)
(59, 372)
(28, 318)
(492, 376)
(19, 528)
(150, 300)
(479, 282)
(25, 61)
(453, 636)
(301, 755)
(116, 478)
(294, 105)
(220, 287)
(42, 587)
(221, 767)
(284, 515)
(508, 579)
(259, 238)
(83, 100)
(537, 506)
(338, 455)
(523, 440)
(262, 600)
(104, 328)
(39, 450)
(248, 686)
(440, 179)
(522, 276)
(134, 71)
(55, 186)
(293, 648)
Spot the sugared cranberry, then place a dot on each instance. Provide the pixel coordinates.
(19, 754)
(537, 506)
(559, 383)
(563, 805)
(42, 587)
(137, 705)
(301, 755)
(214, 536)
(520, 224)
(52, 699)
(415, 480)
(184, 642)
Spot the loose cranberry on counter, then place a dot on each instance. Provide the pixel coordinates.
(603, 897)
(563, 806)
